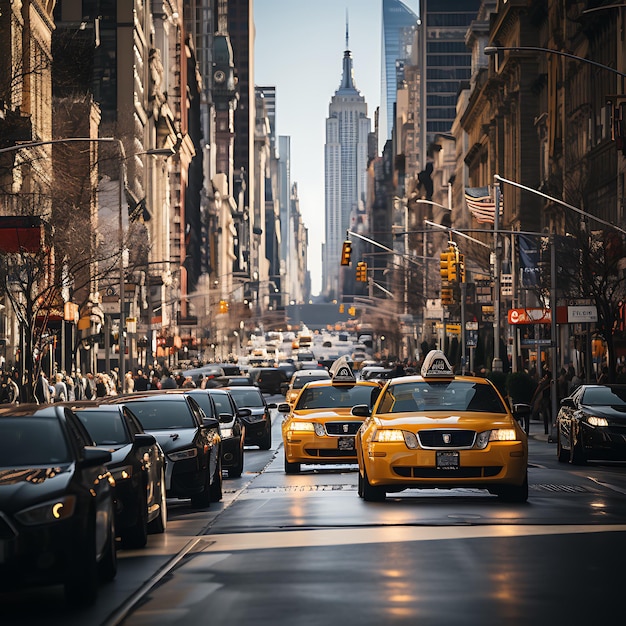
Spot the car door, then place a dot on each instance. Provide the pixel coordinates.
(208, 435)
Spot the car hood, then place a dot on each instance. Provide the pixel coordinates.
(24, 486)
(608, 411)
(175, 438)
(469, 421)
(326, 414)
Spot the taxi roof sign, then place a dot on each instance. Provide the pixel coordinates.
(436, 365)
(341, 372)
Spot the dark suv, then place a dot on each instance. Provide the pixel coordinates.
(268, 379)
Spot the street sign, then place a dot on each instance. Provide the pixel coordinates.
(530, 316)
(581, 314)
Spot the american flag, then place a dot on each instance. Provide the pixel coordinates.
(481, 205)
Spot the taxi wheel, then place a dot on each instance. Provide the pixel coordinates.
(291, 468)
(370, 492)
(360, 485)
(515, 493)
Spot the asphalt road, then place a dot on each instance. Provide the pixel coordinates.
(306, 550)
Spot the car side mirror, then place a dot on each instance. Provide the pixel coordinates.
(210, 422)
(284, 407)
(145, 439)
(361, 410)
(271, 405)
(225, 418)
(568, 402)
(93, 457)
(244, 412)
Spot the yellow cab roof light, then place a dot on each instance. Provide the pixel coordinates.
(436, 365)
(341, 372)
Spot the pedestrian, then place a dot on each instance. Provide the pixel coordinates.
(129, 382)
(541, 400)
(188, 383)
(90, 386)
(60, 388)
(167, 382)
(101, 388)
(141, 381)
(42, 389)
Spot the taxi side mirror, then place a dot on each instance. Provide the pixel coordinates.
(361, 410)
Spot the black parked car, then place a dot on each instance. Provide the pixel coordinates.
(138, 467)
(268, 379)
(591, 424)
(217, 403)
(259, 423)
(57, 508)
(190, 440)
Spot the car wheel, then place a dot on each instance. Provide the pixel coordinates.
(360, 485)
(215, 490)
(136, 536)
(561, 454)
(159, 523)
(203, 499)
(81, 585)
(266, 442)
(235, 472)
(107, 568)
(515, 493)
(291, 468)
(372, 493)
(577, 452)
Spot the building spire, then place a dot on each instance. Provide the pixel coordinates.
(347, 32)
(347, 79)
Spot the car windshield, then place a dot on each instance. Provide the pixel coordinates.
(247, 399)
(336, 397)
(604, 396)
(441, 396)
(300, 381)
(105, 427)
(28, 441)
(160, 415)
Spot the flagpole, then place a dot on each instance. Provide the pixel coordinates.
(496, 365)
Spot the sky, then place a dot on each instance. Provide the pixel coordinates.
(299, 48)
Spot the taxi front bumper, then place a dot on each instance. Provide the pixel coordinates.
(305, 448)
(395, 465)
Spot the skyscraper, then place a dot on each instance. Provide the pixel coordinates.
(398, 23)
(345, 163)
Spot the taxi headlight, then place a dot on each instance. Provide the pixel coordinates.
(394, 435)
(594, 420)
(320, 431)
(52, 511)
(497, 434)
(183, 454)
(302, 427)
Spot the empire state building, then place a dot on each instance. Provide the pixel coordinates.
(345, 169)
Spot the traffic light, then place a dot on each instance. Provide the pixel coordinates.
(352, 311)
(444, 264)
(453, 265)
(460, 267)
(342, 308)
(223, 306)
(361, 271)
(346, 252)
(447, 296)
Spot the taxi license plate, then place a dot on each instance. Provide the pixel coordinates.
(345, 443)
(447, 460)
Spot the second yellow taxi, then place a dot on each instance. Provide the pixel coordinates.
(319, 426)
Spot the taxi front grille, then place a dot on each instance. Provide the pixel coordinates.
(446, 438)
(325, 452)
(342, 428)
(461, 472)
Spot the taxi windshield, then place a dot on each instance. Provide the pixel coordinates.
(337, 397)
(441, 396)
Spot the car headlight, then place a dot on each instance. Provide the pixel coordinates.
(122, 473)
(594, 420)
(307, 427)
(394, 435)
(52, 511)
(227, 432)
(183, 454)
(497, 434)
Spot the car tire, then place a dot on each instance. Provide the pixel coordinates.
(215, 490)
(562, 455)
(515, 493)
(372, 493)
(159, 523)
(266, 441)
(81, 584)
(360, 485)
(577, 452)
(291, 468)
(107, 568)
(136, 536)
(235, 472)
(203, 499)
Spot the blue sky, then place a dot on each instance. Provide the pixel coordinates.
(299, 49)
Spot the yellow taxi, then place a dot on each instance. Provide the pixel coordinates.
(438, 430)
(319, 427)
(301, 378)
